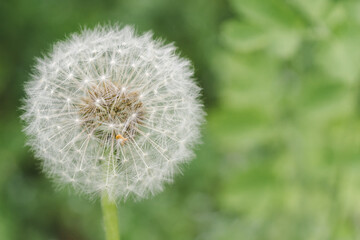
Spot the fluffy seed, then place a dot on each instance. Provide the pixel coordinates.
(108, 110)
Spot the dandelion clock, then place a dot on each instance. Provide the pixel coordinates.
(113, 114)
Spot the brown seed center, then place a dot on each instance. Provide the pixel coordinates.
(111, 111)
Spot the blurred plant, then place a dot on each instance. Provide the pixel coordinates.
(113, 114)
(290, 94)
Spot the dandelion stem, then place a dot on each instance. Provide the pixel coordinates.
(110, 217)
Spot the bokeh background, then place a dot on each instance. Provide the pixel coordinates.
(280, 157)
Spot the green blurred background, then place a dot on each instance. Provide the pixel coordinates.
(280, 157)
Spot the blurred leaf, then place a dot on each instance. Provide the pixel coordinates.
(313, 9)
(244, 37)
(268, 13)
(340, 58)
(284, 43)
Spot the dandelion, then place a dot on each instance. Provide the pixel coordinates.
(112, 113)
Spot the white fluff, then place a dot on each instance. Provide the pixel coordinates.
(108, 110)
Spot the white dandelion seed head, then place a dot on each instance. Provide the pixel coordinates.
(108, 110)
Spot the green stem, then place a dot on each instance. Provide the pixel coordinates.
(110, 216)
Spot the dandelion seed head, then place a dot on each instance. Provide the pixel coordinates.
(110, 110)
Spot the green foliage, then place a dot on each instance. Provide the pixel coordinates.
(288, 118)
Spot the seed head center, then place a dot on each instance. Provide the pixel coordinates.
(109, 112)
